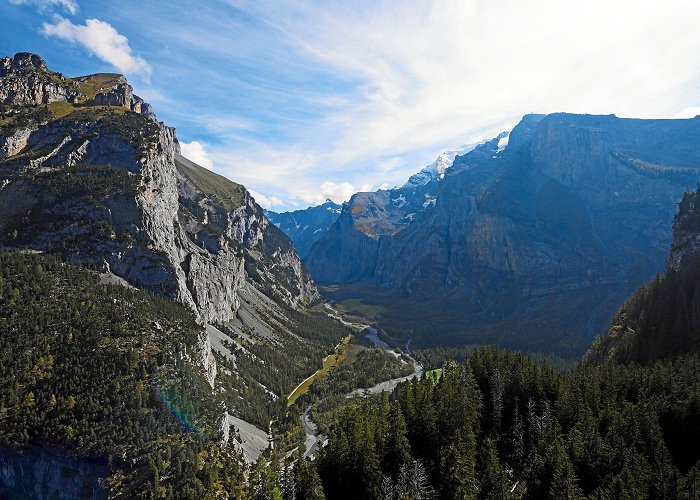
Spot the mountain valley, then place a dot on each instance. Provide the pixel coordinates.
(519, 320)
(531, 240)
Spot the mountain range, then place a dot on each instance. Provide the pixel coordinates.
(160, 335)
(532, 239)
(305, 227)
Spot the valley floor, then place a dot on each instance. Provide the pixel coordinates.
(314, 438)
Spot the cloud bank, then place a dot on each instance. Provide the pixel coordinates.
(300, 99)
(410, 79)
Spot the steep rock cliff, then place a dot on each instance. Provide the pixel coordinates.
(532, 245)
(686, 232)
(87, 172)
(662, 318)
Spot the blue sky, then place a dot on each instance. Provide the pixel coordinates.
(303, 100)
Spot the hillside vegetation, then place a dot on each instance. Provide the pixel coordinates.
(108, 372)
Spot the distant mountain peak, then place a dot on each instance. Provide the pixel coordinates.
(436, 170)
(502, 142)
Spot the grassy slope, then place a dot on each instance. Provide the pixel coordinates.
(331, 362)
(229, 194)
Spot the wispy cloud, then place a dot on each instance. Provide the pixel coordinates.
(102, 40)
(336, 191)
(264, 201)
(289, 95)
(414, 78)
(44, 5)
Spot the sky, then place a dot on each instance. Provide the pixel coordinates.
(306, 100)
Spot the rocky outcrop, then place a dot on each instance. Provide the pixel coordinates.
(14, 142)
(686, 232)
(26, 81)
(105, 185)
(208, 360)
(115, 91)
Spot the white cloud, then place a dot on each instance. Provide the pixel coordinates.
(194, 151)
(336, 191)
(690, 112)
(390, 164)
(43, 5)
(264, 201)
(102, 40)
(422, 76)
(293, 94)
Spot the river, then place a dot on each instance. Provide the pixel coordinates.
(314, 440)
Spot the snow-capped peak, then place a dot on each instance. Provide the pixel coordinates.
(503, 142)
(439, 166)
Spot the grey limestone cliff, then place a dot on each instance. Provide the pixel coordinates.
(87, 172)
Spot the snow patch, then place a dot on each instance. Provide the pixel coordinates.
(400, 201)
(429, 201)
(439, 166)
(503, 142)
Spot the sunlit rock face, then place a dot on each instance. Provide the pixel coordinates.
(86, 171)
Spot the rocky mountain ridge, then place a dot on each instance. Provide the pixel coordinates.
(25, 80)
(159, 223)
(305, 227)
(88, 175)
(437, 169)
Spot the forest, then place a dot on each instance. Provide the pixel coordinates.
(108, 372)
(623, 423)
(499, 426)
